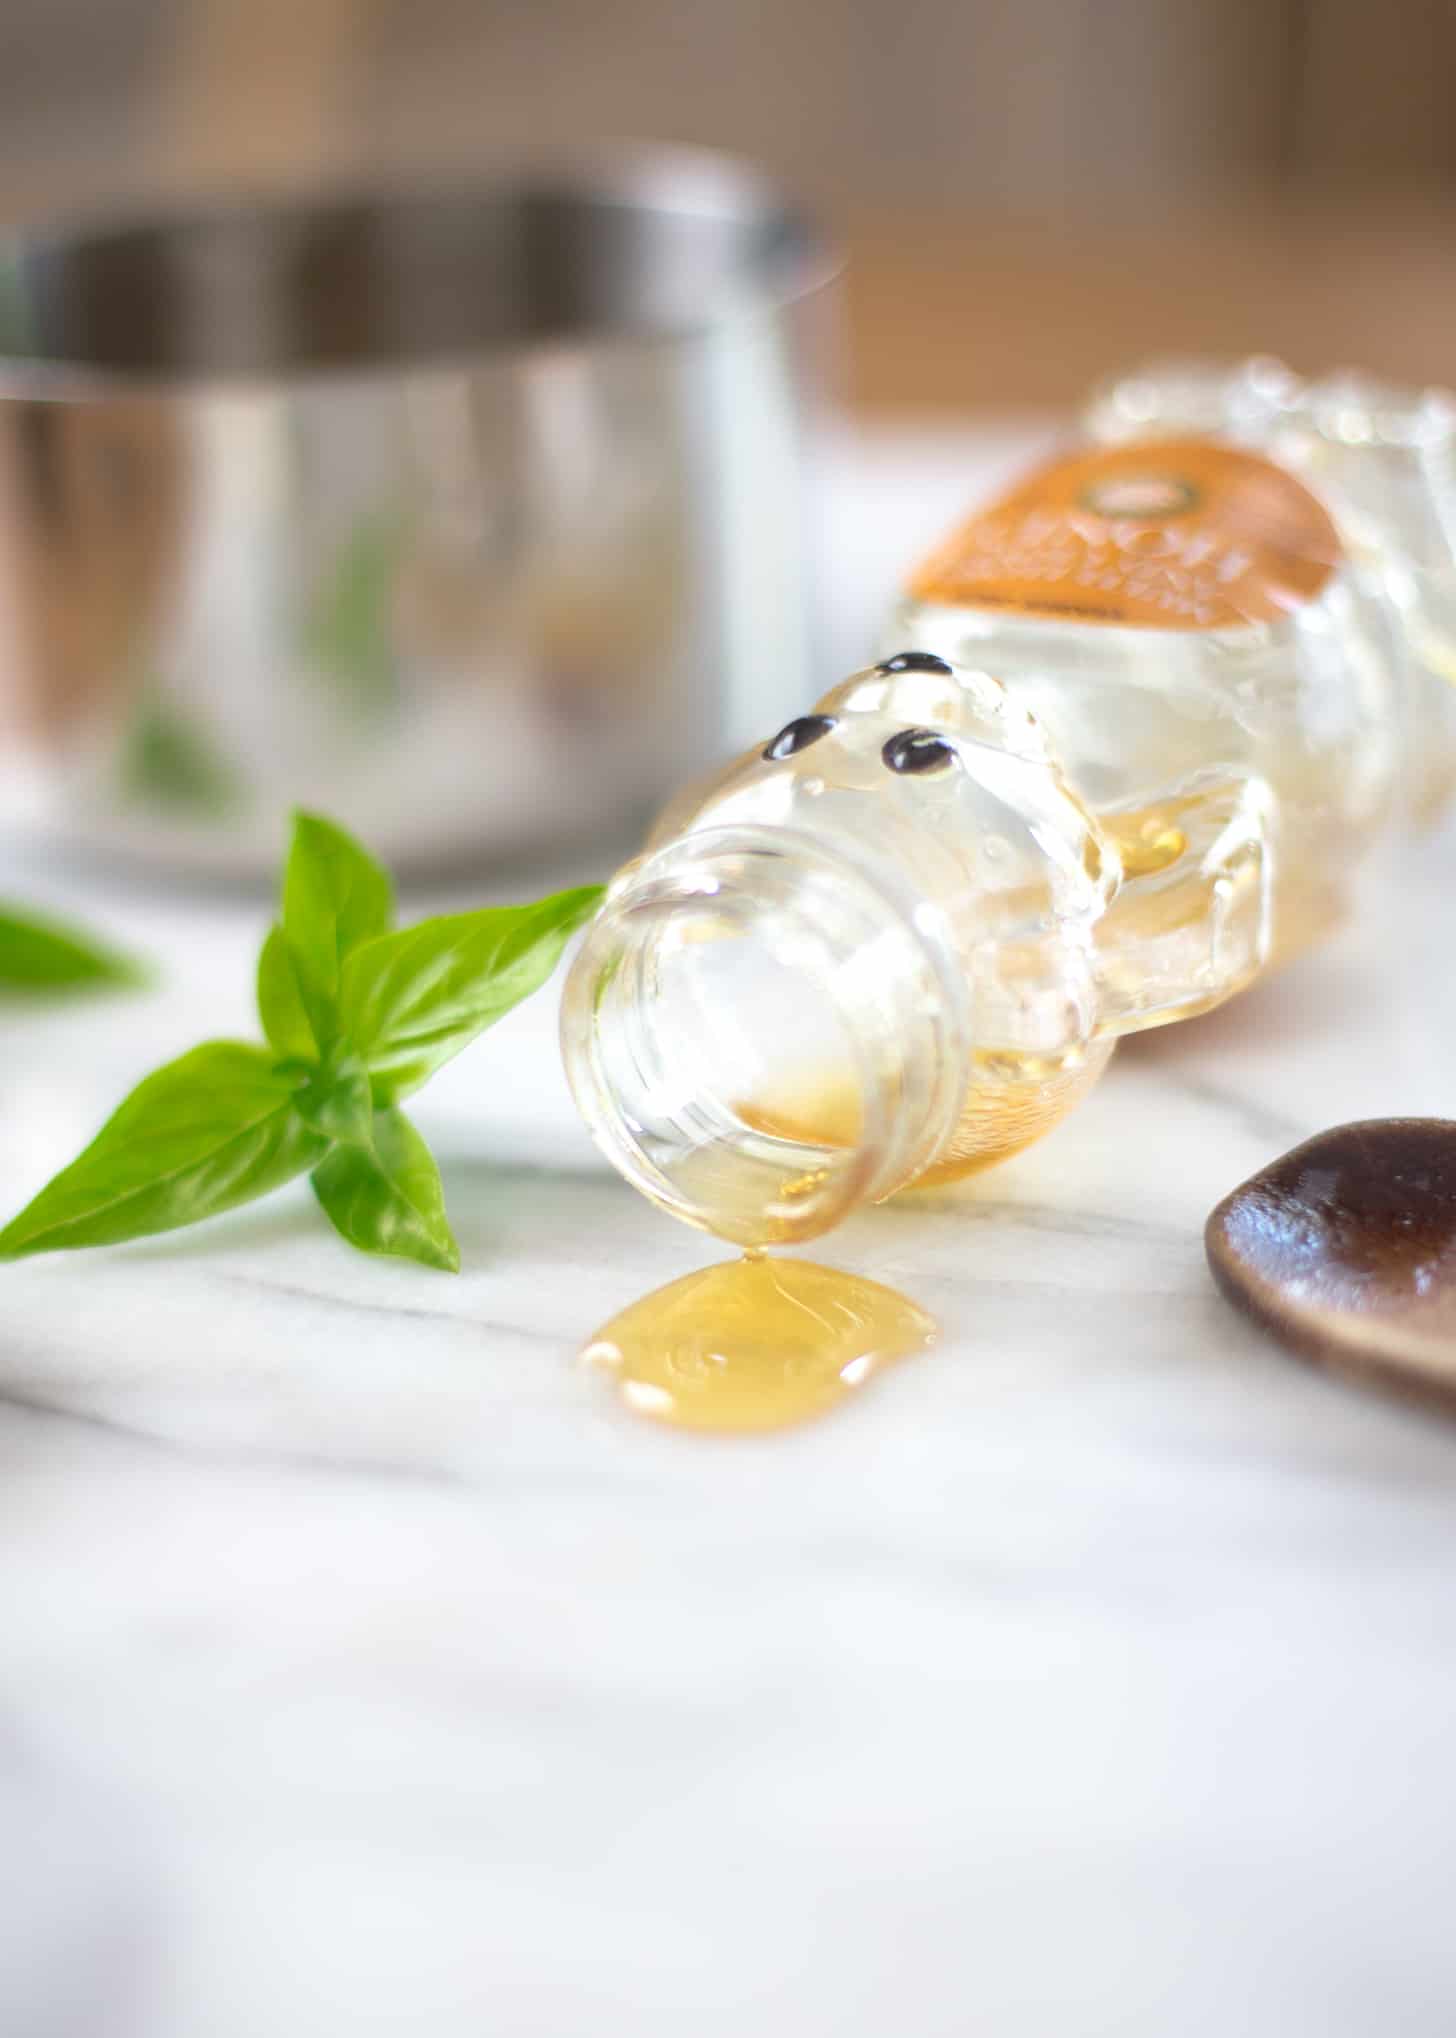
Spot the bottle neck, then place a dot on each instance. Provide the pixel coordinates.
(764, 1030)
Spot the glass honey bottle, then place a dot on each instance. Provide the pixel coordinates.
(1150, 726)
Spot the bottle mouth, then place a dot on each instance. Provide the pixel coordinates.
(764, 1030)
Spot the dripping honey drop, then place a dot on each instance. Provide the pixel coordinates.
(755, 1344)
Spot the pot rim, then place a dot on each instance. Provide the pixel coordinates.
(214, 250)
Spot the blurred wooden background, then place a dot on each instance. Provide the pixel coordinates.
(1032, 189)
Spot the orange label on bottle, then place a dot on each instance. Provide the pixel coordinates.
(1178, 534)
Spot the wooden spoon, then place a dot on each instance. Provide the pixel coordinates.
(1345, 1248)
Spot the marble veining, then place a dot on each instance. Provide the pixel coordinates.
(365, 1669)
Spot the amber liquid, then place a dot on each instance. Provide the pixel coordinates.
(1307, 910)
(1007, 1108)
(755, 1344)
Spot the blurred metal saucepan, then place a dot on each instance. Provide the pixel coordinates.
(477, 516)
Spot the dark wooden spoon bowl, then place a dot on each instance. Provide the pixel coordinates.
(1345, 1249)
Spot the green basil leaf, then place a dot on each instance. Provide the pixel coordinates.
(280, 1001)
(409, 1001)
(207, 1132)
(387, 1199)
(335, 1101)
(334, 896)
(40, 954)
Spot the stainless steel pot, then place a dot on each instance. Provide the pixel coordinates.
(476, 518)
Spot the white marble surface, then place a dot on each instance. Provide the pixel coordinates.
(363, 1669)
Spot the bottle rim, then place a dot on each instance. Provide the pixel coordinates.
(875, 958)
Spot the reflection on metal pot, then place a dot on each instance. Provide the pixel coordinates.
(477, 518)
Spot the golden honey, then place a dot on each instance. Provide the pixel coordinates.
(1154, 707)
(755, 1344)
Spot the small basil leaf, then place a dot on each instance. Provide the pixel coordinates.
(207, 1132)
(335, 1102)
(409, 1001)
(40, 954)
(387, 1199)
(334, 896)
(280, 1001)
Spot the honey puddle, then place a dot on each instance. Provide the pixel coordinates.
(755, 1344)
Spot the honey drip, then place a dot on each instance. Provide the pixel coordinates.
(755, 1344)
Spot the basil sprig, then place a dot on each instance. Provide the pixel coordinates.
(357, 1015)
(39, 954)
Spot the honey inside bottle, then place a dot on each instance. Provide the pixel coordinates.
(1148, 727)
